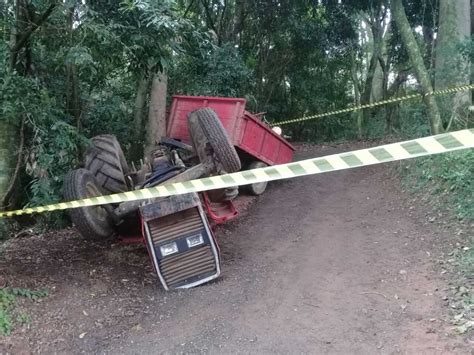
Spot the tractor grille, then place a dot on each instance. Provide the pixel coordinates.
(193, 264)
(187, 266)
(175, 225)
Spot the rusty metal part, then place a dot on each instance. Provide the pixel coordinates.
(111, 212)
(176, 159)
(195, 172)
(165, 206)
(182, 267)
(157, 161)
(168, 227)
(140, 175)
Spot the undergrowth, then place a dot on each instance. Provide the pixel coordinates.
(8, 297)
(447, 183)
(449, 178)
(462, 290)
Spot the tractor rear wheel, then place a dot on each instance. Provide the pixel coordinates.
(106, 161)
(93, 223)
(210, 139)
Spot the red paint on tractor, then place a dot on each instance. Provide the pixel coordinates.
(219, 212)
(246, 131)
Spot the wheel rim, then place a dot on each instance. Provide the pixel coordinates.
(259, 187)
(93, 191)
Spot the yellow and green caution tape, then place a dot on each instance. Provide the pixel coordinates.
(376, 104)
(437, 144)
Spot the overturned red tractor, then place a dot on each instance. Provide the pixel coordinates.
(206, 136)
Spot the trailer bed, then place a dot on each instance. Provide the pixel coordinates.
(247, 132)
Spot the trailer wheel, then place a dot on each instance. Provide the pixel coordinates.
(93, 223)
(259, 187)
(206, 132)
(106, 161)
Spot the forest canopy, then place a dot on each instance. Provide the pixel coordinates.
(72, 69)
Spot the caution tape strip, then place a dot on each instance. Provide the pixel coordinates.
(375, 104)
(386, 153)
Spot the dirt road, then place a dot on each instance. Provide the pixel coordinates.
(335, 263)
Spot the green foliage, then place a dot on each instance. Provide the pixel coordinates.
(448, 177)
(110, 110)
(55, 150)
(79, 80)
(411, 120)
(77, 75)
(8, 298)
(79, 55)
(6, 303)
(51, 142)
(7, 227)
(446, 183)
(213, 71)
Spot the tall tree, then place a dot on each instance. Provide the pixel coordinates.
(376, 22)
(416, 59)
(452, 67)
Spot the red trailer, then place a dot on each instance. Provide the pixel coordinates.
(253, 138)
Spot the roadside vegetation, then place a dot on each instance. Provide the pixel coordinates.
(74, 69)
(449, 180)
(445, 185)
(9, 315)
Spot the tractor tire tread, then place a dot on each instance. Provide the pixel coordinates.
(83, 217)
(107, 163)
(223, 148)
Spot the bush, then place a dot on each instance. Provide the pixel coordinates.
(448, 177)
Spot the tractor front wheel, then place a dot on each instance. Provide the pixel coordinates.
(93, 223)
(106, 161)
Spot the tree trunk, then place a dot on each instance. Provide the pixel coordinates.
(140, 100)
(9, 131)
(366, 94)
(156, 125)
(73, 97)
(472, 18)
(391, 108)
(375, 25)
(452, 68)
(429, 39)
(9, 146)
(384, 65)
(23, 36)
(416, 59)
(238, 23)
(369, 81)
(355, 81)
(380, 85)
